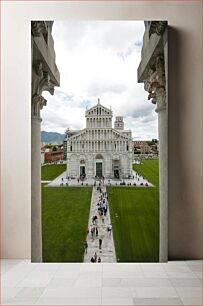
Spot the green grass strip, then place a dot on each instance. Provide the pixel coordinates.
(135, 220)
(149, 169)
(65, 213)
(50, 172)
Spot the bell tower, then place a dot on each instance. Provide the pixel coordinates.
(119, 124)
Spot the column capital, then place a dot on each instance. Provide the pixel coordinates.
(37, 104)
(38, 28)
(155, 84)
(41, 80)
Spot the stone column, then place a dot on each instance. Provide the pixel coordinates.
(40, 82)
(36, 227)
(155, 84)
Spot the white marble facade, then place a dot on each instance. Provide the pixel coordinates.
(100, 150)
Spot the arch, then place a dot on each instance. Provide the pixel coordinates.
(99, 156)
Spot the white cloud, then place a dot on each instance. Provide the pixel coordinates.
(99, 59)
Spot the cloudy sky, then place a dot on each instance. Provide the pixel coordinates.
(99, 59)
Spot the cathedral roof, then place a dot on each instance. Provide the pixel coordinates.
(98, 110)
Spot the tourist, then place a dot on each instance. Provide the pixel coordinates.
(92, 259)
(87, 231)
(92, 232)
(109, 228)
(100, 243)
(96, 232)
(102, 218)
(99, 259)
(99, 211)
(85, 246)
(95, 257)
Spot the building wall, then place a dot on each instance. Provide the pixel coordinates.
(73, 164)
(185, 231)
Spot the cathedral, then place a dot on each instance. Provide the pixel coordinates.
(100, 150)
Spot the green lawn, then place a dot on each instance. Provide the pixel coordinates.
(65, 213)
(50, 172)
(149, 170)
(136, 229)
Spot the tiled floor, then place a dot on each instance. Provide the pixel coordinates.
(172, 283)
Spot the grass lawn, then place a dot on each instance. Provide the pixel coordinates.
(149, 169)
(50, 172)
(136, 229)
(65, 213)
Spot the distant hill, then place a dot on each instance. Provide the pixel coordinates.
(52, 137)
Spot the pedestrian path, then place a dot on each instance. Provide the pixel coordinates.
(107, 252)
(135, 181)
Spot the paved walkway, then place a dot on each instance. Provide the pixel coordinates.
(107, 252)
(137, 179)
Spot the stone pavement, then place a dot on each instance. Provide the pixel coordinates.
(90, 181)
(107, 252)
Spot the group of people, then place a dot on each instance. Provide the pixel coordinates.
(102, 205)
(138, 177)
(102, 208)
(95, 258)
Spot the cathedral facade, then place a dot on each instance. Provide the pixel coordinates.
(100, 150)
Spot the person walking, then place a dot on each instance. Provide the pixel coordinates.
(92, 232)
(96, 232)
(100, 243)
(109, 228)
(99, 259)
(85, 246)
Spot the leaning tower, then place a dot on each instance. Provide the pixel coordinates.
(119, 124)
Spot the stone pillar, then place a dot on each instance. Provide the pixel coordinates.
(163, 183)
(36, 227)
(41, 81)
(36, 247)
(155, 84)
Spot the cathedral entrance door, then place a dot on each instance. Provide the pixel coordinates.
(116, 174)
(82, 170)
(99, 169)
